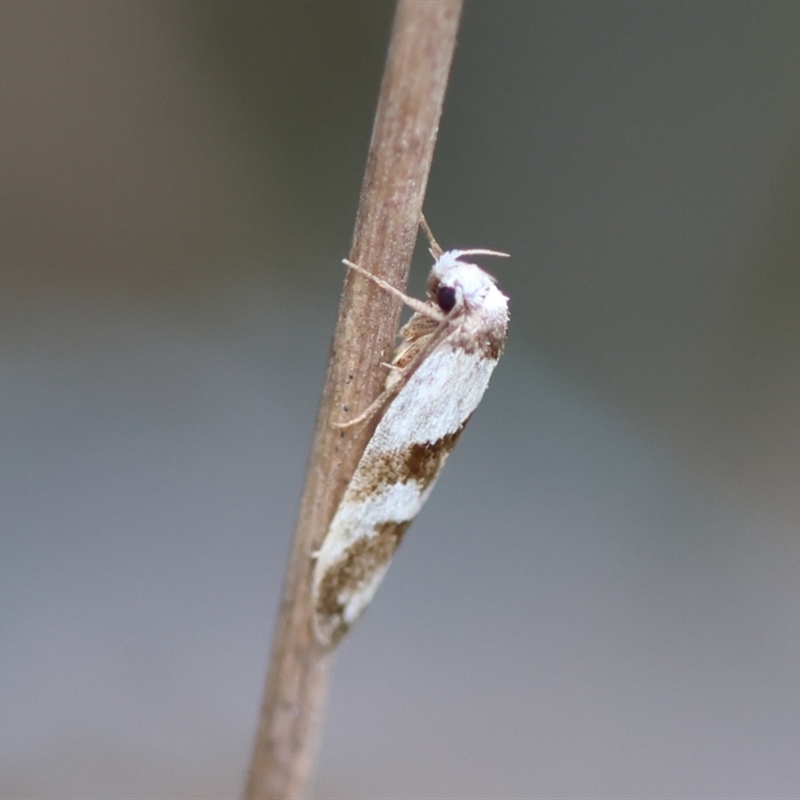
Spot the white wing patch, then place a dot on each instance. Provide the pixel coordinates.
(450, 348)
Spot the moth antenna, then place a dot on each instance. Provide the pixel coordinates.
(459, 253)
(435, 250)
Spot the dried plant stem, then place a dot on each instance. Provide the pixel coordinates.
(406, 123)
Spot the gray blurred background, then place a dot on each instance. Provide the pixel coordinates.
(601, 599)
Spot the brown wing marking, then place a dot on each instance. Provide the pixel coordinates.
(420, 462)
(355, 570)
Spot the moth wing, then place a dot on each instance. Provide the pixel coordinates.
(419, 427)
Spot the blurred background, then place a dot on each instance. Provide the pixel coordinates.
(601, 598)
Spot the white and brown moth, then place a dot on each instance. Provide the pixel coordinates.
(440, 371)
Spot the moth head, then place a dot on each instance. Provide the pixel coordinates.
(456, 285)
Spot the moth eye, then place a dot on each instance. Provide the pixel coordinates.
(446, 298)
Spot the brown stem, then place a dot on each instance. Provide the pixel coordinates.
(406, 123)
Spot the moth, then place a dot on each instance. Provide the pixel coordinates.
(439, 373)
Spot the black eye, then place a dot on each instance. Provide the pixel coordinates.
(446, 298)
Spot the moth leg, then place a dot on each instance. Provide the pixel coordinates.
(412, 302)
(367, 413)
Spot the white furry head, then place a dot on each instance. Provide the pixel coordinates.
(455, 285)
